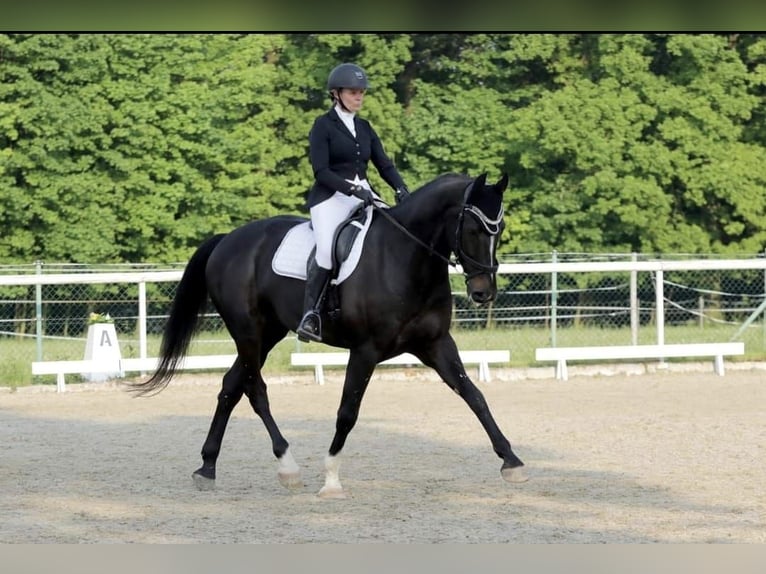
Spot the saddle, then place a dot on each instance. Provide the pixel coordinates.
(343, 242)
(345, 235)
(296, 251)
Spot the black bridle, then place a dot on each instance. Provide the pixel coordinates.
(493, 227)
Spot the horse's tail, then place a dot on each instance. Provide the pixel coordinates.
(189, 301)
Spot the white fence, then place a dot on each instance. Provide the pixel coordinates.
(552, 315)
(657, 268)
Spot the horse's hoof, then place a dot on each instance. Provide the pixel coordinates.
(514, 475)
(290, 480)
(332, 493)
(203, 482)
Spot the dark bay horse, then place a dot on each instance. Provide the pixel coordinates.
(397, 300)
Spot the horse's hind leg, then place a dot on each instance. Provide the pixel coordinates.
(289, 472)
(237, 381)
(231, 393)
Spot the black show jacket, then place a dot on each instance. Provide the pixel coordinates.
(337, 156)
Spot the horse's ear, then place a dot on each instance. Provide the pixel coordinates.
(502, 183)
(480, 181)
(476, 188)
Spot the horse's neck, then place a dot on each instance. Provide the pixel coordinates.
(433, 215)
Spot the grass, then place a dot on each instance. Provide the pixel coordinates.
(17, 354)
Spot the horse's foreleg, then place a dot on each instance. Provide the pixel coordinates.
(445, 359)
(332, 487)
(358, 373)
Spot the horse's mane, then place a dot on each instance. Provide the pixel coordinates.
(445, 189)
(441, 181)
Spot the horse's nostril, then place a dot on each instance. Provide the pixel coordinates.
(482, 296)
(479, 296)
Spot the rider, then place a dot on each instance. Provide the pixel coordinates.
(340, 146)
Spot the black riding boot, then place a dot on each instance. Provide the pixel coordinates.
(310, 328)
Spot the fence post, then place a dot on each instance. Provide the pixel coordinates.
(39, 312)
(554, 297)
(488, 324)
(634, 302)
(659, 298)
(142, 319)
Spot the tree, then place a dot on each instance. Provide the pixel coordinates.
(135, 147)
(642, 150)
(53, 204)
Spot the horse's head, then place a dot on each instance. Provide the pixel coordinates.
(478, 232)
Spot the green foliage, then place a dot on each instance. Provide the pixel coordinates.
(642, 150)
(135, 147)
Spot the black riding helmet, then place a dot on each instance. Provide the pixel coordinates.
(348, 76)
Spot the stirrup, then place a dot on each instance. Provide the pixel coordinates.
(310, 328)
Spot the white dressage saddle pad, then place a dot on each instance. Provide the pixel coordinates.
(292, 255)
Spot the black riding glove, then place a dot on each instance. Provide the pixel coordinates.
(362, 193)
(401, 194)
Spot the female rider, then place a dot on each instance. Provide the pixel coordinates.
(340, 146)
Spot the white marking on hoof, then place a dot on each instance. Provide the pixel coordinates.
(290, 481)
(202, 482)
(332, 487)
(514, 475)
(331, 493)
(289, 472)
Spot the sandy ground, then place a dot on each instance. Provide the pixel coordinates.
(664, 457)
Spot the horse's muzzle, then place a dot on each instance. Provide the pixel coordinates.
(481, 289)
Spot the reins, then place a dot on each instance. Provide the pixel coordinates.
(384, 211)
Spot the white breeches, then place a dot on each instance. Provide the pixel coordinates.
(327, 216)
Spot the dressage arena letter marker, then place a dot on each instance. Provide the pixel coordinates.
(105, 340)
(102, 346)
